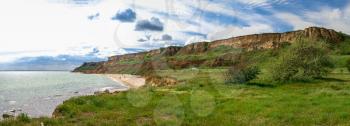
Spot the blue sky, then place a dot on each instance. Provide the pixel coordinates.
(75, 28)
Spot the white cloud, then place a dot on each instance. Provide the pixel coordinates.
(333, 18)
(262, 3)
(33, 26)
(294, 20)
(41, 25)
(231, 31)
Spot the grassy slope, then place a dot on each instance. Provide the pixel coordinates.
(202, 98)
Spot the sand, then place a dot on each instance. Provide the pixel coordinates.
(131, 81)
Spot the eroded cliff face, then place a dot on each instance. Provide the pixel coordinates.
(272, 40)
(248, 42)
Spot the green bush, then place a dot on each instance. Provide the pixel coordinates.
(348, 65)
(23, 118)
(241, 73)
(304, 60)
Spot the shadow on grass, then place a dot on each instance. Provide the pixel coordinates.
(331, 80)
(261, 85)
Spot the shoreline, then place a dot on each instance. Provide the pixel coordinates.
(125, 80)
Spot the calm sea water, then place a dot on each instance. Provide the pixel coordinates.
(38, 93)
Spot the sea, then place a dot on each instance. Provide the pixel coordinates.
(38, 93)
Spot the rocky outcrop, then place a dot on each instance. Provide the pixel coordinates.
(158, 81)
(194, 48)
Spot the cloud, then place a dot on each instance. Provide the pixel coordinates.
(84, 2)
(233, 31)
(94, 16)
(142, 40)
(167, 37)
(334, 18)
(127, 15)
(70, 59)
(164, 37)
(95, 51)
(296, 21)
(133, 50)
(60, 62)
(77, 2)
(154, 24)
(262, 3)
(145, 38)
(186, 21)
(195, 34)
(156, 38)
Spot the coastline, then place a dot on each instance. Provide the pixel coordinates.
(20, 99)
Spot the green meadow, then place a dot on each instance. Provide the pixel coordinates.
(202, 98)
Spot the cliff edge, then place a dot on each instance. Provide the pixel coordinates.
(247, 42)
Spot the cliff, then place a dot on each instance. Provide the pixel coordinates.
(272, 40)
(249, 42)
(120, 63)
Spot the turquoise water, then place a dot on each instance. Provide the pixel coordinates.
(38, 93)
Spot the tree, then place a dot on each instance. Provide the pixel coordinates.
(304, 60)
(241, 72)
(348, 64)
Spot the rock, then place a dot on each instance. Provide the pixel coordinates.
(194, 48)
(160, 81)
(6, 116)
(13, 110)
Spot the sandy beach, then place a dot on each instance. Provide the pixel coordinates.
(131, 81)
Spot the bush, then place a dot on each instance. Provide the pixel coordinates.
(304, 60)
(348, 65)
(23, 118)
(241, 73)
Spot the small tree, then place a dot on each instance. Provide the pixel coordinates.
(348, 64)
(23, 118)
(241, 73)
(306, 59)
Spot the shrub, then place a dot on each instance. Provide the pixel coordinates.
(348, 65)
(304, 60)
(23, 118)
(241, 73)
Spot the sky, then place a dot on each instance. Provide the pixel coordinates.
(96, 29)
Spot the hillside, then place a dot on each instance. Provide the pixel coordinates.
(219, 53)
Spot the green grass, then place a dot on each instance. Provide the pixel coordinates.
(129, 62)
(84, 68)
(203, 99)
(340, 60)
(208, 55)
